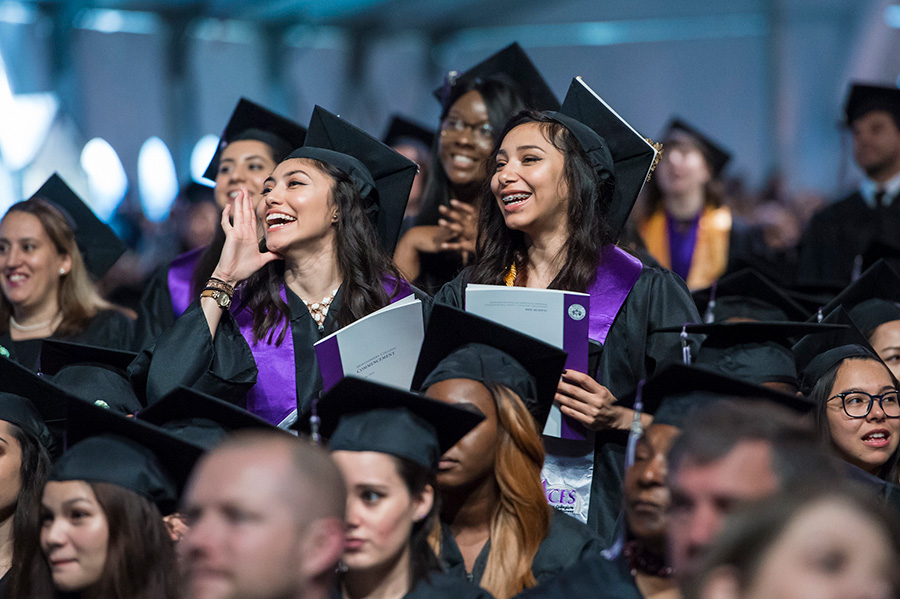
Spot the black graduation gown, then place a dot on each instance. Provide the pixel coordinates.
(841, 232)
(155, 313)
(568, 542)
(224, 367)
(441, 585)
(109, 328)
(594, 577)
(633, 352)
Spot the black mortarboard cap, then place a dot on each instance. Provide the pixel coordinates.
(98, 244)
(756, 352)
(871, 300)
(359, 415)
(716, 155)
(48, 399)
(106, 447)
(95, 374)
(815, 354)
(511, 66)
(251, 121)
(382, 176)
(749, 295)
(611, 144)
(865, 98)
(401, 129)
(200, 419)
(459, 344)
(679, 391)
(29, 414)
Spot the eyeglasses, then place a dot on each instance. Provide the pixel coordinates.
(482, 132)
(858, 404)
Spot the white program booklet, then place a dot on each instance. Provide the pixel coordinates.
(382, 347)
(560, 318)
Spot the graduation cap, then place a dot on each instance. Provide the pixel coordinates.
(716, 155)
(382, 176)
(611, 144)
(200, 419)
(872, 300)
(746, 294)
(510, 66)
(865, 98)
(755, 352)
(400, 130)
(359, 415)
(106, 447)
(48, 399)
(251, 121)
(98, 244)
(95, 374)
(31, 414)
(462, 345)
(680, 391)
(815, 354)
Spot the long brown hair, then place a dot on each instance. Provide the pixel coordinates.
(77, 296)
(140, 555)
(521, 520)
(363, 266)
(499, 247)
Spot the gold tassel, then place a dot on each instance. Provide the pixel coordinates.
(510, 278)
(659, 151)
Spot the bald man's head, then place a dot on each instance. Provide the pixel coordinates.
(266, 519)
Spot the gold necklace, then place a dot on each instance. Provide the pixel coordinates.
(510, 278)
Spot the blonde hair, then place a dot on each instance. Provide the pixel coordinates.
(77, 296)
(521, 520)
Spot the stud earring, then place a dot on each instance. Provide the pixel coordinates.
(62, 271)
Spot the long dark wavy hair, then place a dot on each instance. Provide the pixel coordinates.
(822, 391)
(362, 264)
(502, 101)
(590, 195)
(140, 555)
(33, 470)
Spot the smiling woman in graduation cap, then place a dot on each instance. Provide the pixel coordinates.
(387, 443)
(101, 531)
(497, 528)
(254, 141)
(474, 107)
(52, 249)
(563, 186)
(331, 212)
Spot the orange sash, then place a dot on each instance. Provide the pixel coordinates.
(710, 256)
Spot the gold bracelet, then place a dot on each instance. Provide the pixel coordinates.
(214, 283)
(222, 298)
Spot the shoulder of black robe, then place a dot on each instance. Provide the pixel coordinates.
(155, 313)
(441, 585)
(109, 328)
(594, 577)
(834, 237)
(568, 542)
(188, 355)
(453, 293)
(437, 269)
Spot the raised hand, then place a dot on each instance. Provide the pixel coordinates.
(240, 256)
(460, 222)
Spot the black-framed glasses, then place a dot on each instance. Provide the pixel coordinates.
(858, 404)
(482, 132)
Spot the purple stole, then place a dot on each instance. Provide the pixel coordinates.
(616, 275)
(181, 271)
(274, 396)
(681, 245)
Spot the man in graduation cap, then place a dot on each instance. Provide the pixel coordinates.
(833, 245)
